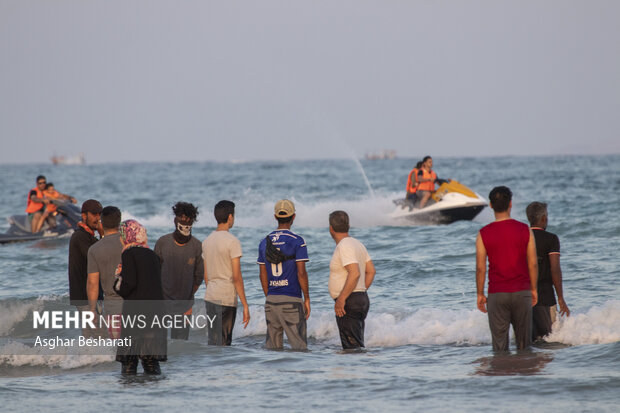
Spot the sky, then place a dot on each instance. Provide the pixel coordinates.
(151, 80)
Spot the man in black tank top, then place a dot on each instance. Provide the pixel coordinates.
(549, 272)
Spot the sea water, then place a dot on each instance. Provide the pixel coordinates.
(428, 347)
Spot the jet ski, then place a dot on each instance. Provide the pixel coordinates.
(68, 215)
(451, 202)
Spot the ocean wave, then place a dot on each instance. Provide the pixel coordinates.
(363, 212)
(435, 326)
(599, 325)
(16, 354)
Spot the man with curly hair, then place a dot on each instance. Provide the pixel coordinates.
(182, 269)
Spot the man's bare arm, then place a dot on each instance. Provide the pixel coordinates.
(532, 265)
(237, 280)
(481, 273)
(556, 278)
(302, 277)
(370, 273)
(262, 274)
(92, 289)
(353, 274)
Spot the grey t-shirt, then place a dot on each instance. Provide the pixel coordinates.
(181, 267)
(104, 257)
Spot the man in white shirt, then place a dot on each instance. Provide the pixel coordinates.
(221, 252)
(351, 273)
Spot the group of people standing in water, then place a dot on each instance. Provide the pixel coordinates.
(119, 269)
(129, 277)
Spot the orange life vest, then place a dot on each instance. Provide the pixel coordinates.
(428, 185)
(32, 206)
(412, 181)
(53, 195)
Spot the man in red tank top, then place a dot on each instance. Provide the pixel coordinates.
(510, 248)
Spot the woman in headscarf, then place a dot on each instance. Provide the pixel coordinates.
(139, 283)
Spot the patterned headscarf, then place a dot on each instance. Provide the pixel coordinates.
(133, 234)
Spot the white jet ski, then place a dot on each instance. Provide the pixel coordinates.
(451, 202)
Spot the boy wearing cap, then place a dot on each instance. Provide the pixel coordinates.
(81, 241)
(282, 257)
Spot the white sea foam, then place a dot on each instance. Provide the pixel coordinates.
(14, 312)
(433, 326)
(157, 221)
(424, 326)
(17, 354)
(597, 326)
(365, 212)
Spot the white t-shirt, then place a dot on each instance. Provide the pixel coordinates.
(348, 251)
(218, 250)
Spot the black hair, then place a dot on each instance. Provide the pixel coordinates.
(49, 185)
(185, 208)
(110, 217)
(40, 177)
(222, 210)
(500, 198)
(339, 221)
(419, 165)
(535, 212)
(426, 158)
(284, 220)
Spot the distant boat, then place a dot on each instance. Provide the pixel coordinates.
(64, 160)
(383, 154)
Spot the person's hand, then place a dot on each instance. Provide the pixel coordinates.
(307, 307)
(564, 310)
(118, 280)
(73, 200)
(339, 307)
(482, 303)
(246, 316)
(534, 297)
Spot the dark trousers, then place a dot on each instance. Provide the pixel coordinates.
(150, 364)
(541, 321)
(220, 333)
(505, 309)
(180, 333)
(351, 325)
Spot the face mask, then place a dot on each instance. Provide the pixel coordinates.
(185, 230)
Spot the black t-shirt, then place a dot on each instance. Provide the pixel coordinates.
(78, 260)
(546, 243)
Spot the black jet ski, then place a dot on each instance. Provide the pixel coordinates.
(67, 217)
